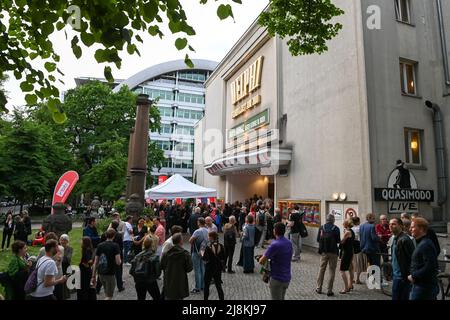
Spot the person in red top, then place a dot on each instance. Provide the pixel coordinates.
(383, 232)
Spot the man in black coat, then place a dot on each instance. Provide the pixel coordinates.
(402, 250)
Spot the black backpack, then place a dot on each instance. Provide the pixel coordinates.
(145, 267)
(327, 242)
(262, 218)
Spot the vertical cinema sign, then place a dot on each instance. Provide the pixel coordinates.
(243, 87)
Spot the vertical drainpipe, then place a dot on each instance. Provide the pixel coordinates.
(443, 42)
(438, 125)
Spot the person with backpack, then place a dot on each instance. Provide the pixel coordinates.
(214, 257)
(145, 269)
(261, 224)
(198, 242)
(328, 237)
(248, 243)
(107, 260)
(369, 240)
(295, 222)
(17, 272)
(176, 264)
(229, 237)
(42, 281)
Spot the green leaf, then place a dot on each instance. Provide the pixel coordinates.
(87, 38)
(31, 99)
(188, 62)
(108, 74)
(50, 66)
(59, 117)
(224, 11)
(60, 25)
(181, 43)
(26, 86)
(131, 48)
(191, 48)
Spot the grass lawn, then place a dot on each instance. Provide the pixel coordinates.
(75, 242)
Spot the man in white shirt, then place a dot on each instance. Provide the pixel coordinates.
(169, 243)
(210, 225)
(46, 274)
(127, 240)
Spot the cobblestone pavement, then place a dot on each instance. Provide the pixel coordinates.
(240, 286)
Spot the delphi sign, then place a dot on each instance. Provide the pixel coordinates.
(402, 192)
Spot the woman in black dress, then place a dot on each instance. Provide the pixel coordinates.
(139, 232)
(347, 256)
(86, 292)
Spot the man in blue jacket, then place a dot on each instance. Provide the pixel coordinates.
(370, 241)
(424, 264)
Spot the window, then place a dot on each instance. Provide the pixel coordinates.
(184, 147)
(165, 129)
(408, 77)
(191, 98)
(189, 114)
(182, 164)
(413, 146)
(161, 94)
(184, 130)
(403, 10)
(164, 145)
(165, 112)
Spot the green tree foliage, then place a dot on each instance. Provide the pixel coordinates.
(31, 158)
(98, 130)
(25, 27)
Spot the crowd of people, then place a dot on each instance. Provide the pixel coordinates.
(407, 244)
(152, 249)
(18, 226)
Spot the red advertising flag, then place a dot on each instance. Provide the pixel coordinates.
(178, 200)
(211, 200)
(161, 179)
(64, 187)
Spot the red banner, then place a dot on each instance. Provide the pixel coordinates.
(211, 200)
(178, 200)
(64, 187)
(161, 179)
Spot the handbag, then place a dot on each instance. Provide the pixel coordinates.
(356, 246)
(303, 231)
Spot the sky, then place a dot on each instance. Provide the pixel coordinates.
(213, 39)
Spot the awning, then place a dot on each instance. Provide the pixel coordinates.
(178, 187)
(264, 161)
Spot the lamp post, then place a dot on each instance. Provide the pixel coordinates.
(138, 167)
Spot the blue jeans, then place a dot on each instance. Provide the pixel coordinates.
(127, 245)
(424, 293)
(401, 290)
(199, 270)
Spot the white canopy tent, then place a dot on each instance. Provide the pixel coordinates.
(179, 187)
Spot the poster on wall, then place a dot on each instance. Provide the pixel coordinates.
(283, 205)
(336, 209)
(350, 211)
(310, 210)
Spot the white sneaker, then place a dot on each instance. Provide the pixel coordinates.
(127, 264)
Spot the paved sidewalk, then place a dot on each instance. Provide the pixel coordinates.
(240, 286)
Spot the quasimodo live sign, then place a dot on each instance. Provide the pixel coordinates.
(386, 194)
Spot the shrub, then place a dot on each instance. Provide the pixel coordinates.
(119, 205)
(102, 225)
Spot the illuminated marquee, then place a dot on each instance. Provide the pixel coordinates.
(245, 84)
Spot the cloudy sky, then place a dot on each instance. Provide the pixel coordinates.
(213, 40)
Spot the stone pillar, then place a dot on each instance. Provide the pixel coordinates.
(138, 167)
(130, 154)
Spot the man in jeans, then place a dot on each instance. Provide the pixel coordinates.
(294, 222)
(198, 242)
(370, 240)
(127, 239)
(279, 253)
(261, 223)
(107, 272)
(328, 237)
(402, 250)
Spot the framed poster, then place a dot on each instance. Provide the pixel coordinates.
(336, 209)
(283, 205)
(311, 210)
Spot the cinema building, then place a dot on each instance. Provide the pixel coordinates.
(362, 128)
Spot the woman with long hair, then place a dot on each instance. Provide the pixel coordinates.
(8, 230)
(86, 291)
